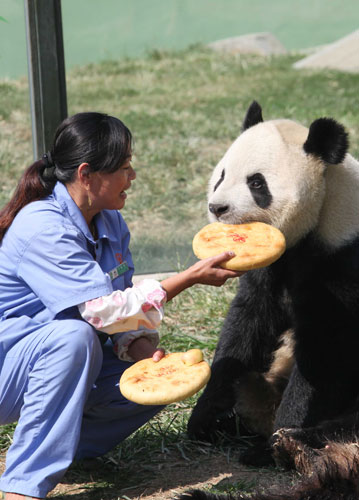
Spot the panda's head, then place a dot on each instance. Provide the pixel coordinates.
(274, 173)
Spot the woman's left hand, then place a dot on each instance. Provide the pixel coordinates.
(142, 348)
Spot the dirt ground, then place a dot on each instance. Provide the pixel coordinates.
(166, 480)
(159, 464)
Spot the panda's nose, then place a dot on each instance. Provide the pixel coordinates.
(218, 209)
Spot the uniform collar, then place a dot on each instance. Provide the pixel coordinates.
(104, 229)
(68, 205)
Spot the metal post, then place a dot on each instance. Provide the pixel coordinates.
(46, 67)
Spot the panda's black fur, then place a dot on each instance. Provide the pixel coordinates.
(312, 291)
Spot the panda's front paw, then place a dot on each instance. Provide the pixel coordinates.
(199, 423)
(309, 436)
(282, 448)
(291, 453)
(210, 424)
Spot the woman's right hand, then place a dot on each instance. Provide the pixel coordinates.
(209, 272)
(205, 272)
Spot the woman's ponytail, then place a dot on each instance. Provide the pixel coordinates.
(36, 183)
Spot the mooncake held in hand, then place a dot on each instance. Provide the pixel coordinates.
(255, 244)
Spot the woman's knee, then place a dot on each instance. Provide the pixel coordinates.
(77, 342)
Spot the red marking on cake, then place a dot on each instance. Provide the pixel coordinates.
(240, 238)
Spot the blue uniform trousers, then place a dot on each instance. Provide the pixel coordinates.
(61, 386)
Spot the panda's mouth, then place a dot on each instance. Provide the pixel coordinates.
(233, 218)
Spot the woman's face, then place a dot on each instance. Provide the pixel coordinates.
(109, 190)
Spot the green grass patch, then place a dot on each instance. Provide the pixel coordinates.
(184, 109)
(6, 432)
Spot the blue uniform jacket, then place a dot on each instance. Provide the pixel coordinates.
(50, 263)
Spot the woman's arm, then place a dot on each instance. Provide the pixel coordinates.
(141, 306)
(206, 272)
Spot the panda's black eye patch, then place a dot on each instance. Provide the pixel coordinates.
(259, 189)
(221, 179)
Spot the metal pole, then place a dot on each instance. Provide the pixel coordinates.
(46, 67)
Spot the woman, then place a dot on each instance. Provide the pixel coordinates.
(65, 284)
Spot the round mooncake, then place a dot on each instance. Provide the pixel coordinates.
(255, 244)
(174, 378)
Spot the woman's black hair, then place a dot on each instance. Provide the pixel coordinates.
(100, 140)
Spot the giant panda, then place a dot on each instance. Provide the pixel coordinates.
(304, 182)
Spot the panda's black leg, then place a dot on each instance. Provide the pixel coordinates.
(315, 415)
(294, 408)
(297, 444)
(213, 413)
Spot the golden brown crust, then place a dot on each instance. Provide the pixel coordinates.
(158, 383)
(255, 244)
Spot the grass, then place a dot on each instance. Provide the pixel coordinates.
(184, 109)
(6, 432)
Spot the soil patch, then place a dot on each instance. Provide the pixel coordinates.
(165, 480)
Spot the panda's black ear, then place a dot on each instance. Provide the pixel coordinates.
(253, 116)
(328, 140)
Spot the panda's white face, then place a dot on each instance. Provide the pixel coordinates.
(266, 176)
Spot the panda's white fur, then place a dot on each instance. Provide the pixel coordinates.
(305, 193)
(339, 216)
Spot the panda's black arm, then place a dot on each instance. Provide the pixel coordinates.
(258, 315)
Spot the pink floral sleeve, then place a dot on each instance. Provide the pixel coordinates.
(127, 315)
(138, 307)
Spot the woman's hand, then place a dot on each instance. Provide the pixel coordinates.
(205, 272)
(142, 348)
(209, 272)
